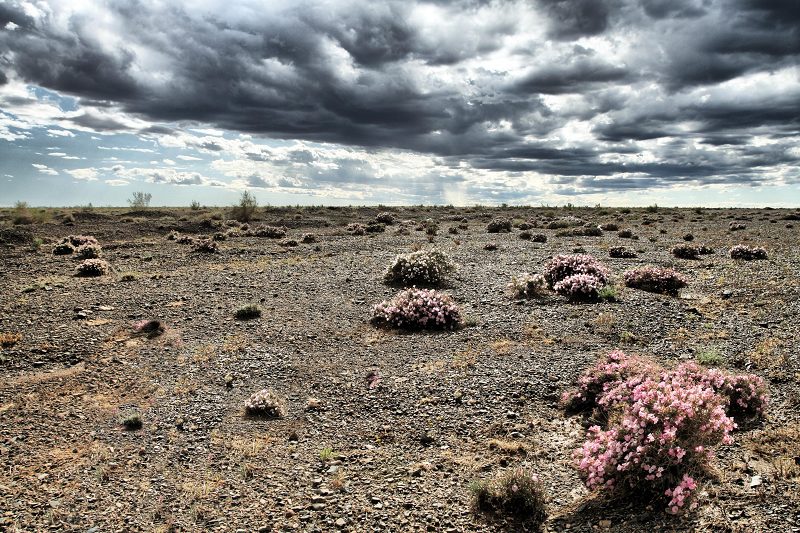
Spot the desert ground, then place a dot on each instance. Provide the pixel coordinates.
(384, 430)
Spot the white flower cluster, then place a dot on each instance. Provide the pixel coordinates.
(425, 267)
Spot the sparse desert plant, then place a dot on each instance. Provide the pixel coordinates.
(491, 246)
(355, 228)
(206, 246)
(173, 235)
(565, 222)
(685, 251)
(419, 309)
(527, 286)
(621, 252)
(326, 454)
(140, 200)
(525, 235)
(608, 293)
(92, 268)
(609, 226)
(248, 312)
(736, 226)
(220, 236)
(655, 279)
(375, 227)
(308, 238)
(561, 267)
(63, 248)
(269, 232)
(516, 495)
(88, 251)
(265, 403)
(289, 243)
(625, 234)
(703, 249)
(79, 240)
(8, 340)
(583, 287)
(149, 328)
(385, 218)
(131, 421)
(710, 356)
(246, 208)
(538, 237)
(195, 205)
(22, 214)
(424, 267)
(499, 225)
(184, 239)
(747, 253)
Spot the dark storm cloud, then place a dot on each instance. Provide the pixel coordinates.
(373, 75)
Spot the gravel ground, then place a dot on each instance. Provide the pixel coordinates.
(403, 421)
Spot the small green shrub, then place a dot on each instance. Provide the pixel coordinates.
(709, 356)
(248, 312)
(516, 495)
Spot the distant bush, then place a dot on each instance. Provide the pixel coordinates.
(736, 226)
(92, 268)
(685, 251)
(418, 309)
(268, 232)
(248, 312)
(625, 234)
(499, 225)
(206, 246)
(184, 239)
(63, 248)
(385, 218)
(195, 205)
(356, 229)
(173, 235)
(527, 286)
(561, 267)
(516, 495)
(425, 267)
(565, 222)
(88, 251)
(375, 227)
(79, 240)
(747, 253)
(265, 403)
(579, 287)
(491, 246)
(609, 226)
(538, 237)
(308, 238)
(620, 252)
(246, 208)
(140, 200)
(655, 279)
(704, 250)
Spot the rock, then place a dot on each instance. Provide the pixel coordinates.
(605, 524)
(755, 481)
(341, 522)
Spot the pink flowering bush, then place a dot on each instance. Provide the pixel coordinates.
(419, 309)
(579, 287)
(655, 279)
(747, 253)
(268, 232)
(92, 268)
(527, 286)
(88, 251)
(63, 248)
(79, 240)
(206, 246)
(564, 266)
(425, 267)
(659, 426)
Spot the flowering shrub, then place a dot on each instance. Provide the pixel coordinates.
(527, 286)
(565, 222)
(88, 251)
(92, 268)
(425, 267)
(579, 287)
(661, 424)
(516, 494)
(746, 253)
(385, 218)
(419, 309)
(685, 251)
(265, 403)
(620, 252)
(206, 246)
(356, 229)
(564, 266)
(269, 232)
(705, 250)
(655, 279)
(79, 240)
(63, 248)
(499, 225)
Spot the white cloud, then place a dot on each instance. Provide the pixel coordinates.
(86, 174)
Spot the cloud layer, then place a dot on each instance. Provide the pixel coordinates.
(570, 96)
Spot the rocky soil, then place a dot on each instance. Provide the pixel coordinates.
(384, 430)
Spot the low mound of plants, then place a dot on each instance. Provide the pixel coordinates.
(268, 232)
(418, 309)
(63, 248)
(424, 267)
(205, 246)
(561, 267)
(621, 252)
(526, 286)
(499, 225)
(658, 427)
(580, 287)
(265, 403)
(88, 251)
(516, 495)
(92, 268)
(685, 251)
(655, 279)
(747, 253)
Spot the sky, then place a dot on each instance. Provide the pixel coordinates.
(533, 102)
